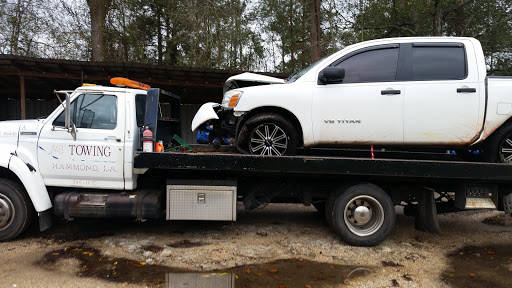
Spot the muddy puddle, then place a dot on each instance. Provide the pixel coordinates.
(279, 273)
(480, 267)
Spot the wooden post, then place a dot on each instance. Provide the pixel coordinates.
(22, 97)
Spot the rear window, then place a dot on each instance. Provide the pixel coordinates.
(140, 108)
(438, 62)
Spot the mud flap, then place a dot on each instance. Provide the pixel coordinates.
(45, 220)
(507, 204)
(426, 217)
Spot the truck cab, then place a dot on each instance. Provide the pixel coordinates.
(106, 135)
(86, 144)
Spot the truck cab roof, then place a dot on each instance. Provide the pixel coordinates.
(99, 88)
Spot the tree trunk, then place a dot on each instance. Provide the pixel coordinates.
(291, 35)
(316, 52)
(16, 28)
(159, 36)
(98, 12)
(171, 48)
(437, 29)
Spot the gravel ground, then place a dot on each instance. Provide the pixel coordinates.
(283, 245)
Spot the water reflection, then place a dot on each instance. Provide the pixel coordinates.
(472, 266)
(278, 273)
(200, 280)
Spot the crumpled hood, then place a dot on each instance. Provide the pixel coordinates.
(250, 79)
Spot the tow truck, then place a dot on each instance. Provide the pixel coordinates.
(86, 160)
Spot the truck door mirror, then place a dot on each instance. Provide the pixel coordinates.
(331, 75)
(73, 131)
(68, 122)
(67, 112)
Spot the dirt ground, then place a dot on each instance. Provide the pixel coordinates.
(283, 245)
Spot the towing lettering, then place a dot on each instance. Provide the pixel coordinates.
(90, 150)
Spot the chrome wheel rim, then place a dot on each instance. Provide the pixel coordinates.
(268, 139)
(363, 215)
(6, 212)
(506, 150)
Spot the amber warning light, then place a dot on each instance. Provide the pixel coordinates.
(119, 81)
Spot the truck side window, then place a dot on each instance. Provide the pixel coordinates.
(438, 62)
(95, 111)
(140, 109)
(377, 65)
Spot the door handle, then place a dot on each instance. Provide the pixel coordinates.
(113, 138)
(390, 92)
(466, 90)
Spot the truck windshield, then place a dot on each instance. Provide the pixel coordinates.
(296, 75)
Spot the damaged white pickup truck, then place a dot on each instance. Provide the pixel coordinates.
(425, 91)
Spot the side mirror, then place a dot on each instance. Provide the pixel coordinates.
(73, 131)
(68, 122)
(331, 75)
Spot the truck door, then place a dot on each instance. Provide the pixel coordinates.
(95, 159)
(367, 106)
(442, 94)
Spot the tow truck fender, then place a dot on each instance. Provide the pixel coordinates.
(33, 183)
(205, 113)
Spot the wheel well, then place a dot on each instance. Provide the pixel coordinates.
(276, 110)
(502, 126)
(8, 174)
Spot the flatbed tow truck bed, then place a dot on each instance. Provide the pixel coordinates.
(357, 195)
(391, 169)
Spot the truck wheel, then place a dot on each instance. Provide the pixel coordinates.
(362, 215)
(15, 210)
(499, 147)
(268, 134)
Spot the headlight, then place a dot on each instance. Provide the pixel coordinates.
(231, 98)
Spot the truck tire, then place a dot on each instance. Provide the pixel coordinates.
(498, 148)
(15, 210)
(362, 215)
(268, 134)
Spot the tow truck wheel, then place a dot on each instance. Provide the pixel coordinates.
(498, 148)
(15, 210)
(268, 134)
(362, 215)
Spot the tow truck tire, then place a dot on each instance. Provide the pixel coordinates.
(15, 210)
(498, 148)
(268, 134)
(362, 215)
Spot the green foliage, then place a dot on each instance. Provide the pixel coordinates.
(264, 35)
(212, 33)
(487, 20)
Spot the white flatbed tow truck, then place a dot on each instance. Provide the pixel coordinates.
(86, 160)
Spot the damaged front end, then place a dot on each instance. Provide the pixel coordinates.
(224, 117)
(223, 120)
